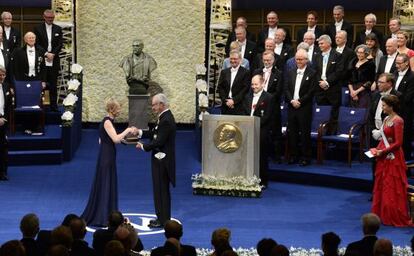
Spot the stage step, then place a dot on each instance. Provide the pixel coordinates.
(31, 157)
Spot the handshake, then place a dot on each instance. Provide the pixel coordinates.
(133, 130)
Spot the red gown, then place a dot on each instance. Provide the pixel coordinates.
(390, 189)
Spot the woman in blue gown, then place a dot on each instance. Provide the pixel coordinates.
(104, 193)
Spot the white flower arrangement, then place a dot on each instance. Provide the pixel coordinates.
(238, 183)
(202, 100)
(70, 100)
(76, 68)
(398, 251)
(73, 84)
(200, 69)
(67, 116)
(201, 85)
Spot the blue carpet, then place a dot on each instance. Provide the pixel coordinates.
(295, 215)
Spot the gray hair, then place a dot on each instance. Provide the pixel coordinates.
(370, 223)
(325, 38)
(301, 53)
(2, 69)
(343, 32)
(303, 45)
(161, 98)
(236, 52)
(48, 11)
(310, 33)
(371, 16)
(363, 46)
(3, 14)
(339, 8)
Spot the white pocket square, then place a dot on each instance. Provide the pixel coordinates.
(307, 78)
(57, 34)
(160, 155)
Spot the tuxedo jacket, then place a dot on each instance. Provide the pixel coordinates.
(31, 247)
(334, 71)
(274, 87)
(331, 31)
(250, 51)
(406, 88)
(102, 236)
(57, 40)
(232, 37)
(263, 109)
(307, 87)
(14, 41)
(6, 59)
(162, 138)
(301, 32)
(168, 249)
(19, 65)
(264, 33)
(7, 98)
(360, 38)
(241, 85)
(286, 53)
(81, 248)
(382, 63)
(364, 247)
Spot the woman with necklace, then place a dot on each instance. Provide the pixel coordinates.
(390, 188)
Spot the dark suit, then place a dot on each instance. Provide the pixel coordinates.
(102, 236)
(31, 247)
(264, 110)
(186, 250)
(348, 55)
(14, 40)
(300, 119)
(286, 53)
(381, 66)
(163, 170)
(250, 51)
(43, 241)
(264, 34)
(57, 43)
(81, 248)
(331, 31)
(363, 247)
(274, 87)
(241, 85)
(232, 37)
(406, 88)
(334, 70)
(301, 32)
(360, 38)
(19, 65)
(3, 129)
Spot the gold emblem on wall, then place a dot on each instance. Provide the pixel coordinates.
(227, 137)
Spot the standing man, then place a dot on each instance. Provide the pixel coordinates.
(11, 35)
(394, 25)
(162, 145)
(5, 103)
(272, 20)
(49, 37)
(240, 22)
(233, 86)
(311, 20)
(347, 55)
(247, 48)
(340, 24)
(387, 61)
(370, 21)
(4, 54)
(299, 86)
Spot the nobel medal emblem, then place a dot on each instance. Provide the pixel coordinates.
(227, 138)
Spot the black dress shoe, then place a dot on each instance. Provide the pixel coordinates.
(155, 224)
(154, 221)
(304, 163)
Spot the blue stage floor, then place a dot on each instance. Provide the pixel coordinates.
(293, 214)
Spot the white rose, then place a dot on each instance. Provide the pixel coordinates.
(67, 116)
(73, 84)
(200, 69)
(76, 68)
(201, 85)
(202, 100)
(70, 100)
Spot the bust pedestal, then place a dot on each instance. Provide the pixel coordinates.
(138, 110)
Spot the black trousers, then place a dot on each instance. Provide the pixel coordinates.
(3, 151)
(299, 126)
(51, 79)
(161, 190)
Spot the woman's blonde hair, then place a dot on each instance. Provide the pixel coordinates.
(112, 106)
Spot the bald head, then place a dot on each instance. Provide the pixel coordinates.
(391, 46)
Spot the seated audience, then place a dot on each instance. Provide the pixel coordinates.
(62, 235)
(280, 250)
(58, 250)
(383, 247)
(265, 246)
(12, 248)
(29, 226)
(330, 244)
(220, 239)
(128, 236)
(114, 248)
(365, 247)
(80, 246)
(173, 229)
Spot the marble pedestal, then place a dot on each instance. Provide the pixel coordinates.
(138, 110)
(242, 162)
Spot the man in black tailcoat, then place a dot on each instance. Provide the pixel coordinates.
(162, 145)
(370, 225)
(50, 38)
(299, 87)
(259, 102)
(11, 35)
(338, 24)
(233, 86)
(5, 104)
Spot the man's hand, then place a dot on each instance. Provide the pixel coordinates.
(50, 56)
(230, 103)
(324, 85)
(139, 146)
(2, 121)
(43, 85)
(295, 103)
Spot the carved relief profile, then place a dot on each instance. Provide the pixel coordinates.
(227, 137)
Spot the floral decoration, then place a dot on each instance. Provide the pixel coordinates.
(76, 68)
(202, 91)
(67, 118)
(200, 69)
(73, 85)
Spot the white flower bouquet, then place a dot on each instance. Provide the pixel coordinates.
(67, 118)
(73, 85)
(76, 68)
(200, 69)
(201, 85)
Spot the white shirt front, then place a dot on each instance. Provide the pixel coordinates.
(243, 47)
(266, 75)
(1, 100)
(233, 72)
(7, 30)
(340, 49)
(272, 32)
(299, 77)
(278, 48)
(310, 52)
(2, 59)
(368, 32)
(390, 61)
(325, 59)
(256, 97)
(338, 25)
(31, 58)
(400, 78)
(312, 29)
(49, 43)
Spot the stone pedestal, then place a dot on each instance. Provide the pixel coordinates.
(244, 161)
(138, 110)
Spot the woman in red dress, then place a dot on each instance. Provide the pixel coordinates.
(390, 189)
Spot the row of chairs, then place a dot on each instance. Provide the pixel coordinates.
(350, 130)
